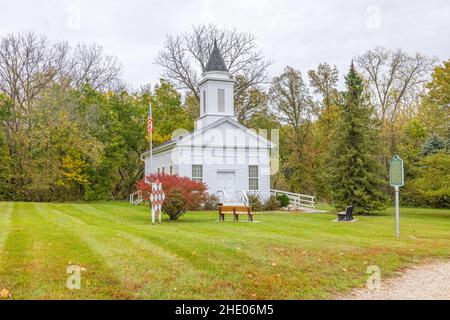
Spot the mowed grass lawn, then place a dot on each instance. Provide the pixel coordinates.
(283, 256)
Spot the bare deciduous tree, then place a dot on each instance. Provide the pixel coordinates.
(29, 64)
(92, 66)
(184, 58)
(250, 101)
(292, 102)
(25, 70)
(395, 82)
(394, 79)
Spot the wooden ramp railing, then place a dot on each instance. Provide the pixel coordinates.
(296, 199)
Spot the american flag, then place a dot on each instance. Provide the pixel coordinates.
(149, 119)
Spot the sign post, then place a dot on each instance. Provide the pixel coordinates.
(157, 198)
(396, 178)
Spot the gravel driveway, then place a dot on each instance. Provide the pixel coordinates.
(428, 281)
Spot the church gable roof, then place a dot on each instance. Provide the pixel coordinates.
(226, 120)
(216, 62)
(190, 137)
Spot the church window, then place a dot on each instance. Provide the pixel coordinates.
(253, 177)
(221, 100)
(197, 173)
(204, 101)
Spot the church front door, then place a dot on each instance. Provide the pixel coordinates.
(226, 181)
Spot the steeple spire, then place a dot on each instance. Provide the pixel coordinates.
(216, 62)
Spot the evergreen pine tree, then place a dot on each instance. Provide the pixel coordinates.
(356, 174)
(433, 145)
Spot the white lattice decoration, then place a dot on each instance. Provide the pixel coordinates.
(157, 198)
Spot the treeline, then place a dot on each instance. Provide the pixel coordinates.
(70, 129)
(337, 147)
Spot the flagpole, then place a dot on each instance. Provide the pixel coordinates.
(151, 162)
(151, 151)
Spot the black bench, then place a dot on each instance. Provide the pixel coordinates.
(346, 215)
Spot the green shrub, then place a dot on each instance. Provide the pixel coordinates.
(431, 185)
(255, 202)
(175, 207)
(210, 202)
(283, 200)
(271, 204)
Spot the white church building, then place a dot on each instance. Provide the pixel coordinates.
(229, 158)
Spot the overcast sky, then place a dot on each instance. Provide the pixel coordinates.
(296, 33)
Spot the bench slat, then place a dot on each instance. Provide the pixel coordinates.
(231, 208)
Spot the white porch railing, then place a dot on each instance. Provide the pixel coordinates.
(222, 195)
(245, 198)
(235, 197)
(136, 198)
(296, 199)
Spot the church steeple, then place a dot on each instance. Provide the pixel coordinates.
(216, 62)
(216, 89)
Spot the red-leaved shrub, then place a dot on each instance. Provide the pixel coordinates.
(182, 193)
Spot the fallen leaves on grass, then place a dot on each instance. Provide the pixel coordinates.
(4, 294)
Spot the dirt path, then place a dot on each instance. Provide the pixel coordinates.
(428, 281)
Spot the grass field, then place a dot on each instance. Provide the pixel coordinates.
(283, 256)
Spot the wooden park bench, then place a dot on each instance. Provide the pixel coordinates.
(346, 215)
(235, 211)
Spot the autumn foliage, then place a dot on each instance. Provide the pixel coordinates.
(182, 193)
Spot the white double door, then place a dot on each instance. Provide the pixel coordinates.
(226, 181)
